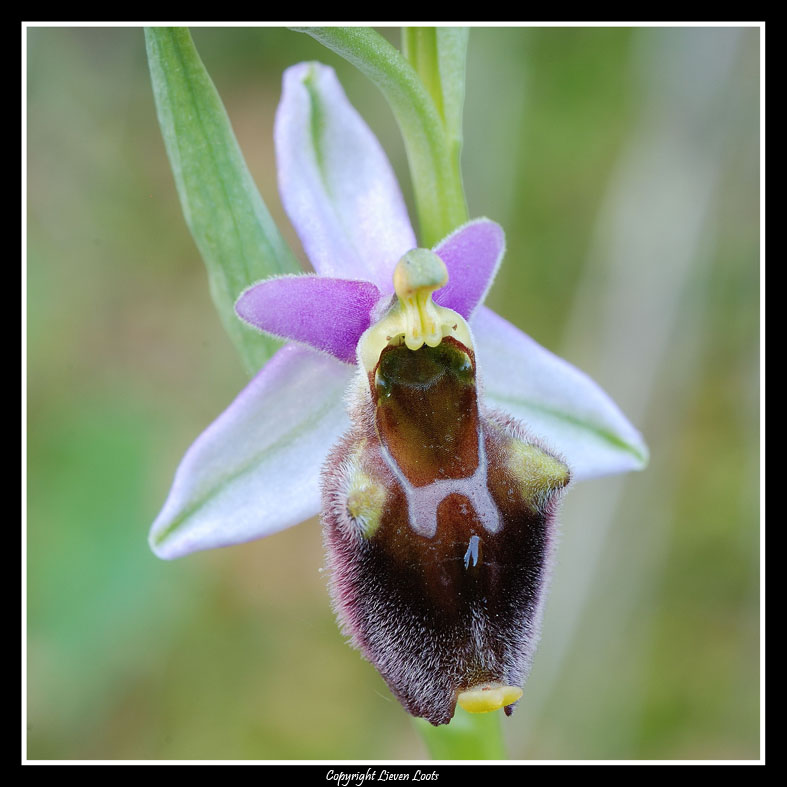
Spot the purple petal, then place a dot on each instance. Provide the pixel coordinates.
(327, 314)
(335, 181)
(555, 401)
(255, 470)
(472, 255)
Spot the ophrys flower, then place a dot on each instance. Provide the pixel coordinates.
(438, 512)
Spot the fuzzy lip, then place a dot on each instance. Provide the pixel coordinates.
(446, 611)
(256, 469)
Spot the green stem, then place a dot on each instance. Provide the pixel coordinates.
(419, 46)
(469, 736)
(439, 55)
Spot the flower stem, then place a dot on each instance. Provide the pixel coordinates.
(438, 55)
(469, 736)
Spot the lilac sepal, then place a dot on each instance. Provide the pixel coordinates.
(555, 400)
(256, 469)
(472, 255)
(335, 181)
(327, 314)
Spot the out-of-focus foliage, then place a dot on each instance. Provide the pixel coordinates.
(626, 175)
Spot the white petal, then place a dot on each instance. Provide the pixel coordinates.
(335, 181)
(256, 469)
(554, 400)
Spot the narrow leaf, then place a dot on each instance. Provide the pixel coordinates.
(231, 226)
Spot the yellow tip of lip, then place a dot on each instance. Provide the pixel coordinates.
(483, 699)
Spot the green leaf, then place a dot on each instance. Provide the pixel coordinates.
(434, 167)
(233, 230)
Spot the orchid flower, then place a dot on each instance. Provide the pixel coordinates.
(435, 437)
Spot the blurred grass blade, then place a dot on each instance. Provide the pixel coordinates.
(437, 183)
(234, 232)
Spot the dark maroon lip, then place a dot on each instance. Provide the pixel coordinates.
(444, 610)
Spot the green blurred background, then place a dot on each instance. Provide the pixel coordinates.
(624, 166)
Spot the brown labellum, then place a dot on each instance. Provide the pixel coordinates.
(438, 519)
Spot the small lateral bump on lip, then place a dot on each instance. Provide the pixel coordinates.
(486, 698)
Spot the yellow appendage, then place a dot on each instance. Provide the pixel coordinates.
(366, 503)
(483, 699)
(538, 473)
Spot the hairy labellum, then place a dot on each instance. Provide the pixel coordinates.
(438, 519)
